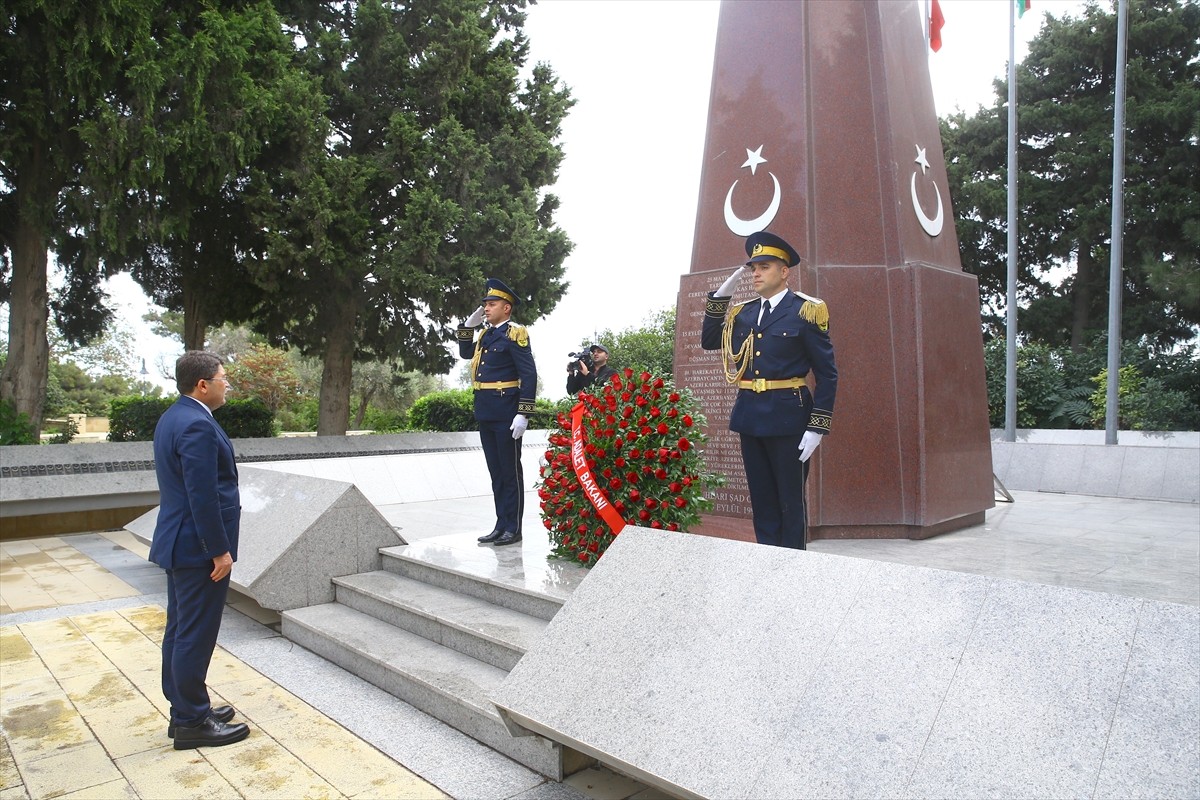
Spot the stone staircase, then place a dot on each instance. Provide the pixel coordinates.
(440, 639)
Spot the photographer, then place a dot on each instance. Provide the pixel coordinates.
(589, 368)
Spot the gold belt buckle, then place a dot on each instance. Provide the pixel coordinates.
(760, 385)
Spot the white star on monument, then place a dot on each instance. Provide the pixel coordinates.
(754, 158)
(920, 159)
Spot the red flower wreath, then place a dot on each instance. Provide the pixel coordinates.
(630, 454)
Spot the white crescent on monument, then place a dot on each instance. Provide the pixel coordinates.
(931, 226)
(745, 227)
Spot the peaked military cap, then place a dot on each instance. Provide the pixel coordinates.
(497, 290)
(762, 245)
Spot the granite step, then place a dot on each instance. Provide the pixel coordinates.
(490, 633)
(439, 680)
(414, 563)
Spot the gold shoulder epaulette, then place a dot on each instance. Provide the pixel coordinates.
(816, 312)
(518, 334)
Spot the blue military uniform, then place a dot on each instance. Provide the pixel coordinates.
(504, 378)
(774, 407)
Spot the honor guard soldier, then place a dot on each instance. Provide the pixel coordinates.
(504, 378)
(768, 345)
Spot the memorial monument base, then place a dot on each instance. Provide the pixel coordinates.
(740, 529)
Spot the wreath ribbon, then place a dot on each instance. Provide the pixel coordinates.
(587, 481)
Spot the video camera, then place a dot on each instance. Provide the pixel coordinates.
(585, 356)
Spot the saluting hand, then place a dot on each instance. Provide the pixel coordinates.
(731, 282)
(476, 319)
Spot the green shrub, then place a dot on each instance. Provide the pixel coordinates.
(451, 410)
(383, 420)
(132, 419)
(15, 428)
(246, 419)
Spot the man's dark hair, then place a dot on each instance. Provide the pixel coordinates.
(195, 366)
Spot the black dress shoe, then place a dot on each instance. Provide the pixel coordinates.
(210, 733)
(222, 713)
(511, 537)
(491, 537)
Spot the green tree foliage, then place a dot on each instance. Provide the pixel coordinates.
(1058, 387)
(63, 65)
(1065, 130)
(432, 179)
(649, 348)
(15, 427)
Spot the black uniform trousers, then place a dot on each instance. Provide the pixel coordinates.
(195, 603)
(503, 454)
(776, 477)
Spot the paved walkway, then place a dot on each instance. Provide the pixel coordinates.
(81, 617)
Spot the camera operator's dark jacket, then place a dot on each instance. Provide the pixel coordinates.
(577, 381)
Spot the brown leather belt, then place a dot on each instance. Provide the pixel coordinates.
(495, 385)
(764, 385)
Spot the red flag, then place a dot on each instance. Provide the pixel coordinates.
(936, 21)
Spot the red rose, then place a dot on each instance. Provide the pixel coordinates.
(593, 546)
(585, 513)
(651, 503)
(631, 436)
(687, 480)
(615, 484)
(662, 428)
(643, 515)
(672, 413)
(641, 401)
(658, 384)
(548, 523)
(645, 376)
(627, 411)
(635, 495)
(581, 528)
(680, 501)
(659, 473)
(655, 524)
(685, 445)
(687, 421)
(583, 556)
(610, 419)
(647, 431)
(624, 424)
(672, 526)
(628, 372)
(619, 463)
(674, 397)
(675, 487)
(654, 412)
(635, 453)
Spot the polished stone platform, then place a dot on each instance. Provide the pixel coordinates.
(725, 669)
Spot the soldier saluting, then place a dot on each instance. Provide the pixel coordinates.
(768, 346)
(504, 378)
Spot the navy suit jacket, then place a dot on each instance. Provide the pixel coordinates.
(199, 510)
(785, 346)
(504, 355)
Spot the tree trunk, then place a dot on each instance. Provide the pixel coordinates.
(334, 412)
(194, 324)
(1085, 275)
(23, 381)
(359, 415)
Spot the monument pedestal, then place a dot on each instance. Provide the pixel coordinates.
(824, 132)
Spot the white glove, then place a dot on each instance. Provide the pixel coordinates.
(519, 424)
(731, 282)
(808, 444)
(475, 320)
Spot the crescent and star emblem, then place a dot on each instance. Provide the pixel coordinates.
(931, 226)
(745, 227)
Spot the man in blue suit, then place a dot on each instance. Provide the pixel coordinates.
(768, 346)
(195, 541)
(504, 378)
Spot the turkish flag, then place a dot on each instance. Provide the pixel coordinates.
(936, 21)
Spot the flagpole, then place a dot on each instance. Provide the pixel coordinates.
(1115, 281)
(1010, 367)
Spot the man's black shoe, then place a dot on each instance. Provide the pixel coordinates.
(222, 713)
(210, 733)
(491, 537)
(508, 538)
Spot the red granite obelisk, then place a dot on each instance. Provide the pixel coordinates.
(822, 129)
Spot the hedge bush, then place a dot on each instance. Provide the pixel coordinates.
(454, 410)
(15, 427)
(132, 419)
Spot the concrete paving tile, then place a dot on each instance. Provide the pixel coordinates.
(169, 773)
(98, 691)
(113, 790)
(260, 767)
(9, 776)
(349, 764)
(37, 685)
(225, 668)
(107, 586)
(603, 784)
(129, 728)
(81, 768)
(261, 699)
(50, 634)
(15, 653)
(31, 561)
(44, 727)
(551, 790)
(14, 793)
(5, 608)
(82, 658)
(20, 547)
(22, 593)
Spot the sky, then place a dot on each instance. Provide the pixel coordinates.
(640, 72)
